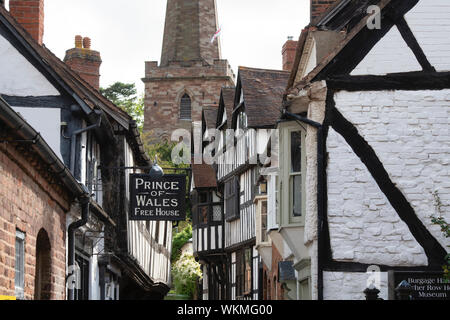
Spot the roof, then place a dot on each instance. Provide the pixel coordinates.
(263, 94)
(359, 39)
(86, 95)
(204, 176)
(83, 90)
(226, 102)
(210, 116)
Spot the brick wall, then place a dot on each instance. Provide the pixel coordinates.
(28, 203)
(164, 87)
(30, 14)
(273, 289)
(318, 7)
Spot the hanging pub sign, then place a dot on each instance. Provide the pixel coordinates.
(157, 198)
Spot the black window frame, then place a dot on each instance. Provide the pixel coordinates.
(232, 199)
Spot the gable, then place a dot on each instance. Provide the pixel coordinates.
(390, 55)
(19, 76)
(430, 23)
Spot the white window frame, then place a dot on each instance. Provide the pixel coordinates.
(285, 182)
(19, 289)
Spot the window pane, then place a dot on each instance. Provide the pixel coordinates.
(264, 237)
(19, 262)
(203, 214)
(217, 213)
(203, 197)
(248, 271)
(185, 108)
(297, 195)
(296, 151)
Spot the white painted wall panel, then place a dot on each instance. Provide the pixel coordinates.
(350, 286)
(19, 77)
(410, 133)
(390, 55)
(46, 121)
(430, 23)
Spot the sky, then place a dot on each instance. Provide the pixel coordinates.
(128, 33)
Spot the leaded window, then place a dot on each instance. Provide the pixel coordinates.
(185, 107)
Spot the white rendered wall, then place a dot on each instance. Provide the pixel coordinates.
(429, 21)
(410, 134)
(19, 77)
(350, 286)
(46, 121)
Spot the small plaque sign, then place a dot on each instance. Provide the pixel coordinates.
(160, 199)
(425, 285)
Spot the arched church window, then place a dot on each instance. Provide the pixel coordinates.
(185, 107)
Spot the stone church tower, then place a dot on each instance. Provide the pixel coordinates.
(191, 72)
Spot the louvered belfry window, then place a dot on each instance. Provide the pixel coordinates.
(185, 107)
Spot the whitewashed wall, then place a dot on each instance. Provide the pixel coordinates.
(430, 22)
(19, 77)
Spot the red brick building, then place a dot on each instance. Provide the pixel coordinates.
(191, 72)
(34, 200)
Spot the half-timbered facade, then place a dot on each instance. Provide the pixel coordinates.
(106, 253)
(243, 139)
(371, 119)
(208, 224)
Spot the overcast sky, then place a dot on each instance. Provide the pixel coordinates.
(127, 33)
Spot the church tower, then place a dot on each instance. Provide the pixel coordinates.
(191, 72)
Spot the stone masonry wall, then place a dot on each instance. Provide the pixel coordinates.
(28, 204)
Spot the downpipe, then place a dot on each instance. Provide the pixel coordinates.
(73, 274)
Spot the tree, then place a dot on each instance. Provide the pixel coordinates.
(186, 273)
(124, 95)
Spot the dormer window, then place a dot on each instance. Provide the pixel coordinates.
(242, 121)
(185, 107)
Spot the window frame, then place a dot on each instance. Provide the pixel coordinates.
(19, 290)
(285, 185)
(185, 97)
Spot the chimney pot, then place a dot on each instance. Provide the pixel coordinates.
(78, 41)
(87, 43)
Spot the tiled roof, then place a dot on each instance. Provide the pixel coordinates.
(263, 94)
(227, 99)
(210, 114)
(204, 176)
(90, 96)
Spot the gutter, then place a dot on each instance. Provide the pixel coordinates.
(26, 132)
(320, 194)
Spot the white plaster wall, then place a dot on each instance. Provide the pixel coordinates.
(410, 134)
(430, 22)
(363, 225)
(19, 77)
(46, 121)
(350, 286)
(390, 55)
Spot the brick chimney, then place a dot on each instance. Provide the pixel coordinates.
(288, 52)
(318, 7)
(30, 14)
(84, 61)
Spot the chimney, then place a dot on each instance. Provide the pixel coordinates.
(30, 14)
(84, 61)
(319, 7)
(288, 52)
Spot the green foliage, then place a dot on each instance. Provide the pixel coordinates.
(445, 228)
(186, 272)
(179, 240)
(124, 95)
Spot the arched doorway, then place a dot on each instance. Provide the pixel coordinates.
(42, 280)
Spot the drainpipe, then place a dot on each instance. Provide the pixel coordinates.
(320, 195)
(74, 141)
(84, 201)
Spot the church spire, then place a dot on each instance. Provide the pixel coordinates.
(189, 27)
